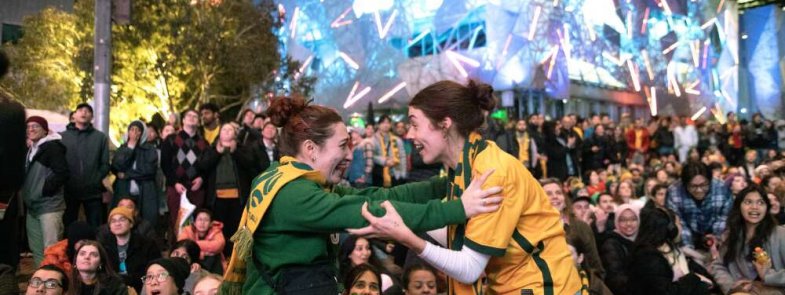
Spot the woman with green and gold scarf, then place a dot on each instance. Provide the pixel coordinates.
(520, 248)
(284, 243)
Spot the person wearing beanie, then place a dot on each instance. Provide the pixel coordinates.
(135, 164)
(61, 254)
(128, 251)
(87, 154)
(46, 172)
(617, 245)
(166, 276)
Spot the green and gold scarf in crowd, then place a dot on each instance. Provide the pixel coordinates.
(460, 178)
(265, 187)
(393, 155)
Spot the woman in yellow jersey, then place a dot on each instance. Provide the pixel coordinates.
(521, 247)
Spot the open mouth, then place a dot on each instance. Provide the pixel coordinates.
(754, 214)
(418, 147)
(155, 292)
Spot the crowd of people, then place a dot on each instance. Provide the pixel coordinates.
(443, 201)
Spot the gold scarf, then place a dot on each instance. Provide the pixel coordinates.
(523, 150)
(460, 177)
(265, 188)
(395, 157)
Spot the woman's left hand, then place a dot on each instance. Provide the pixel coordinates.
(389, 226)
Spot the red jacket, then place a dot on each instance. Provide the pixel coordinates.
(644, 140)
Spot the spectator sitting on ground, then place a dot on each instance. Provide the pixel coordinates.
(141, 226)
(92, 274)
(207, 285)
(48, 279)
(617, 245)
(419, 279)
(751, 227)
(208, 234)
(357, 251)
(128, 251)
(701, 203)
(165, 276)
(362, 279)
(63, 252)
(188, 250)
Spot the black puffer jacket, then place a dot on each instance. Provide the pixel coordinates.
(614, 252)
(651, 274)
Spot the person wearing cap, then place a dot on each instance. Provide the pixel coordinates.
(128, 251)
(166, 276)
(46, 172)
(87, 154)
(135, 164)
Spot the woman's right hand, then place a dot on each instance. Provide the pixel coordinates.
(477, 201)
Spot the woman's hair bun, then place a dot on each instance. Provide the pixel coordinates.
(283, 108)
(483, 95)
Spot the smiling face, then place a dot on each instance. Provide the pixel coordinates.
(753, 208)
(361, 252)
(430, 142)
(628, 223)
(87, 259)
(555, 195)
(699, 187)
(334, 156)
(35, 132)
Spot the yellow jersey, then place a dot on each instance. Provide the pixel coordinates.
(525, 237)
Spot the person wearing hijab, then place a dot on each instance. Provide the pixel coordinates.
(617, 245)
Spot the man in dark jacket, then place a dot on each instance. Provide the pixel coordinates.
(88, 161)
(136, 163)
(512, 141)
(46, 173)
(129, 253)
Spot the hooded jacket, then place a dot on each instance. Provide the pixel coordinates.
(87, 154)
(139, 164)
(46, 173)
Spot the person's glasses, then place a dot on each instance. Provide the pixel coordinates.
(36, 282)
(699, 187)
(161, 277)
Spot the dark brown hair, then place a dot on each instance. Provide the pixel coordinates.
(300, 122)
(104, 272)
(463, 104)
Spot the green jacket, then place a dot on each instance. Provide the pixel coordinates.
(296, 229)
